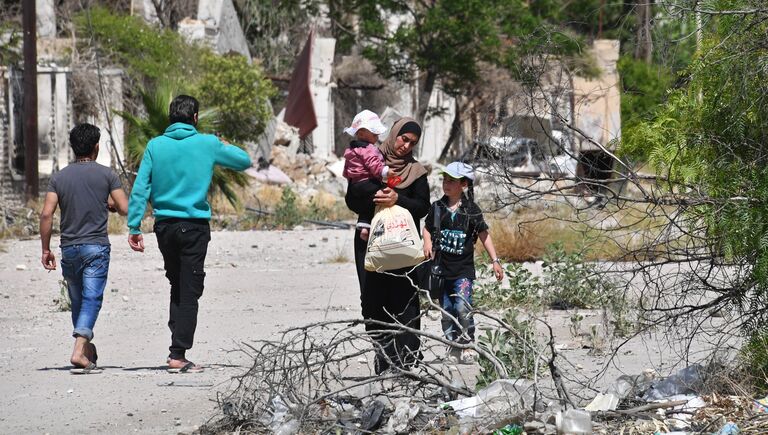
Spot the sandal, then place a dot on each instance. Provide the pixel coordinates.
(189, 367)
(90, 369)
(95, 358)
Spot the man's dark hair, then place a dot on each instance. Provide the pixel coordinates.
(183, 109)
(83, 139)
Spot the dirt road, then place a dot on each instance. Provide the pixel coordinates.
(257, 283)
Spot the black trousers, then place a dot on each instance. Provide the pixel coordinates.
(361, 246)
(359, 198)
(392, 299)
(184, 244)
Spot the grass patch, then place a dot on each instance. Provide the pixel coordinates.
(611, 234)
(284, 209)
(339, 256)
(567, 282)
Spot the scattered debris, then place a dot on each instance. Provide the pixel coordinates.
(405, 412)
(685, 381)
(501, 402)
(270, 175)
(574, 421)
(370, 418)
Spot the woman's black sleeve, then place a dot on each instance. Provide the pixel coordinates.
(416, 200)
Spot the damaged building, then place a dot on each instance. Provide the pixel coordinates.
(562, 129)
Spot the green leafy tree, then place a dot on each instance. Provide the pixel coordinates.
(644, 87)
(708, 142)
(146, 53)
(448, 40)
(233, 94)
(276, 31)
(239, 91)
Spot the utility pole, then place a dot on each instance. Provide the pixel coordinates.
(31, 188)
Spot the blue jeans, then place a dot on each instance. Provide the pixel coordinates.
(85, 269)
(457, 301)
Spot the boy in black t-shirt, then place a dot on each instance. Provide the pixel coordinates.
(461, 223)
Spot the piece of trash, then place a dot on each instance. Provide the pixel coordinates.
(685, 381)
(761, 405)
(501, 400)
(370, 418)
(279, 419)
(183, 384)
(70, 391)
(513, 429)
(631, 386)
(681, 419)
(729, 428)
(21, 267)
(362, 360)
(603, 402)
(405, 411)
(125, 298)
(574, 421)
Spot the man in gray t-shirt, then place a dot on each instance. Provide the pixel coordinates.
(86, 191)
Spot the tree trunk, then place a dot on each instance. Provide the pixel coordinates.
(644, 39)
(425, 92)
(455, 131)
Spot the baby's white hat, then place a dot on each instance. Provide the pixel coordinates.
(367, 120)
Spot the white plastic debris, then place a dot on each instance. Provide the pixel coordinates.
(405, 411)
(501, 400)
(573, 422)
(603, 402)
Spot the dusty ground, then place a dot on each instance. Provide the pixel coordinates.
(257, 284)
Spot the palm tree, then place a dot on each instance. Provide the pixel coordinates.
(142, 129)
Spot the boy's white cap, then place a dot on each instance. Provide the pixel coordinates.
(367, 120)
(459, 170)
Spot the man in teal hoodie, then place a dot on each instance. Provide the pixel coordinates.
(175, 175)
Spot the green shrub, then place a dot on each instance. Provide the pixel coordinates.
(239, 91)
(515, 347)
(287, 213)
(141, 49)
(569, 282)
(754, 353)
(523, 288)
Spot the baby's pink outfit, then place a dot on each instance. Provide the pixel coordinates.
(363, 163)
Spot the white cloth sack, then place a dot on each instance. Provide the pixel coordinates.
(394, 241)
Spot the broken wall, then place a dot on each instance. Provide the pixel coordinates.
(55, 118)
(597, 102)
